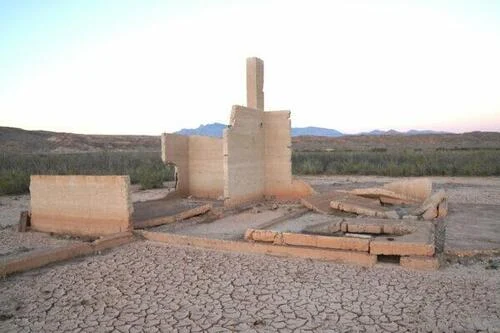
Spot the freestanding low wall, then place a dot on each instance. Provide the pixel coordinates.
(81, 205)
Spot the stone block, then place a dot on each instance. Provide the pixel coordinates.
(431, 202)
(255, 83)
(359, 205)
(342, 256)
(81, 205)
(330, 242)
(418, 189)
(260, 235)
(418, 243)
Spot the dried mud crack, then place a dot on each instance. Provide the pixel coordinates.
(151, 287)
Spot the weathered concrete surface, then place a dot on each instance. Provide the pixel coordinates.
(202, 209)
(418, 189)
(81, 205)
(244, 157)
(378, 226)
(229, 227)
(257, 157)
(255, 83)
(277, 153)
(353, 257)
(148, 286)
(384, 195)
(418, 243)
(317, 241)
(429, 208)
(320, 202)
(44, 257)
(206, 169)
(199, 163)
(362, 206)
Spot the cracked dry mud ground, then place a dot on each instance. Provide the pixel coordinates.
(152, 287)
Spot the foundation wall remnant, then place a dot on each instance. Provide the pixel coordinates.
(81, 205)
(199, 162)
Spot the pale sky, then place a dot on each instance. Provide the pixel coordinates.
(147, 67)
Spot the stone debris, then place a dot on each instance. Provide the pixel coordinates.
(429, 208)
(183, 215)
(362, 206)
(385, 196)
(412, 199)
(320, 202)
(417, 189)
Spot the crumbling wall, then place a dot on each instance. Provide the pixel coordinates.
(244, 160)
(175, 149)
(81, 205)
(206, 171)
(257, 157)
(199, 162)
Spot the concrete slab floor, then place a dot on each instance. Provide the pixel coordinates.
(231, 227)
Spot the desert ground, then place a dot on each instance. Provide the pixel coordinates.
(153, 287)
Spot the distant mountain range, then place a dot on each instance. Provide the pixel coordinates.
(17, 140)
(216, 129)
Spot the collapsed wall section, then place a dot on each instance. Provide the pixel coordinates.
(81, 205)
(244, 157)
(199, 164)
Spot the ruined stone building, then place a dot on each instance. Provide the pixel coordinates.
(251, 162)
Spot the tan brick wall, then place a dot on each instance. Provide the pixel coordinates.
(278, 153)
(175, 149)
(206, 170)
(81, 205)
(244, 166)
(199, 162)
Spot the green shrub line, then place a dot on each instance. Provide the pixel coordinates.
(480, 162)
(147, 169)
(144, 168)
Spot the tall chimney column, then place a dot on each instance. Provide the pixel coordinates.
(255, 83)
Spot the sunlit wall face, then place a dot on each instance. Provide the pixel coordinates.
(352, 66)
